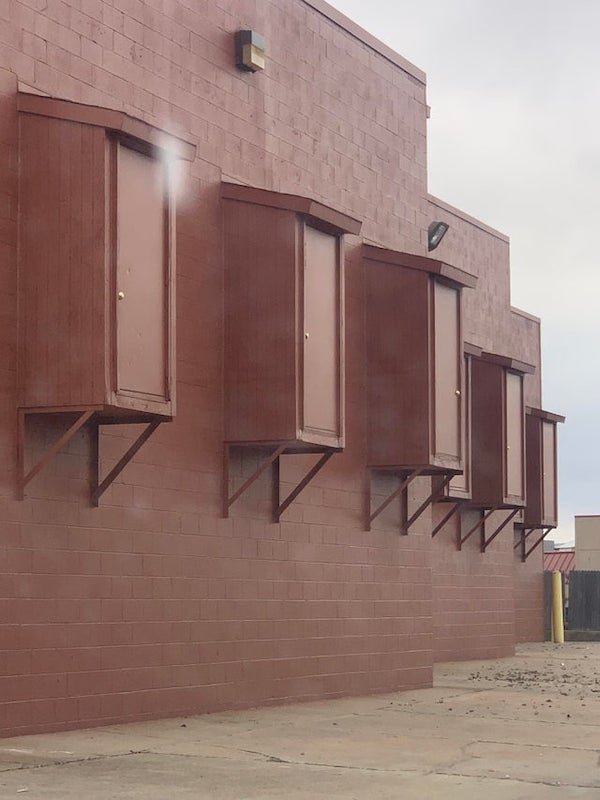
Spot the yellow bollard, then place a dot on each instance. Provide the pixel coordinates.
(558, 625)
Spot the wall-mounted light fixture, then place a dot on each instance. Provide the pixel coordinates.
(435, 233)
(249, 51)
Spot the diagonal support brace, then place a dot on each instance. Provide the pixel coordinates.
(369, 517)
(525, 534)
(526, 553)
(486, 542)
(454, 510)
(22, 479)
(97, 489)
(279, 508)
(435, 495)
(460, 540)
(229, 501)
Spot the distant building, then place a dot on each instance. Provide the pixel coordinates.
(562, 560)
(587, 541)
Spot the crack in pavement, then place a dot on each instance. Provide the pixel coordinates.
(270, 758)
(276, 760)
(443, 738)
(437, 771)
(515, 779)
(68, 761)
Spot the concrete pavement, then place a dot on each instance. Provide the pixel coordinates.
(524, 728)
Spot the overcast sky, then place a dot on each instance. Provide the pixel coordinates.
(514, 139)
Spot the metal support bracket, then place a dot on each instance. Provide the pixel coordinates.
(406, 479)
(272, 460)
(485, 542)
(22, 478)
(278, 506)
(522, 543)
(88, 417)
(97, 487)
(483, 516)
(435, 495)
(525, 533)
(228, 500)
(453, 510)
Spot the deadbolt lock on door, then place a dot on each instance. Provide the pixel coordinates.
(306, 334)
(457, 392)
(121, 295)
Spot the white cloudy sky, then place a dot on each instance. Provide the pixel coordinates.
(514, 139)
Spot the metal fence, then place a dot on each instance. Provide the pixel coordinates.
(584, 600)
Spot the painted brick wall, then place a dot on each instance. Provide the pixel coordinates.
(482, 602)
(152, 605)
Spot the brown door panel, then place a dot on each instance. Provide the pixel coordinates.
(141, 274)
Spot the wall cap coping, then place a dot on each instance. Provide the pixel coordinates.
(525, 314)
(477, 223)
(367, 38)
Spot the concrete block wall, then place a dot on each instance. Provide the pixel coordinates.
(152, 605)
(484, 602)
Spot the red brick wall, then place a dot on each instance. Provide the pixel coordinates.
(152, 605)
(529, 598)
(484, 602)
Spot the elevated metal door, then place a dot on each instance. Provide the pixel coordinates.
(549, 510)
(321, 378)
(447, 366)
(514, 435)
(462, 483)
(141, 274)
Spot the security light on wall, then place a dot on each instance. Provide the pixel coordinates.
(435, 234)
(249, 51)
